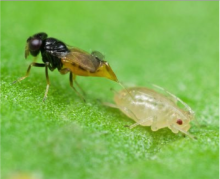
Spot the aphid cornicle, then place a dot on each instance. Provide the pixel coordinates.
(56, 54)
(150, 108)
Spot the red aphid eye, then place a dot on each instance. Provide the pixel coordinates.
(179, 121)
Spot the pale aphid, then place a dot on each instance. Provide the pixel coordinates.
(150, 108)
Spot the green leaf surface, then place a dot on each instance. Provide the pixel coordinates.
(171, 44)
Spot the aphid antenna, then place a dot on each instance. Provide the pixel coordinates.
(183, 103)
(196, 121)
(185, 132)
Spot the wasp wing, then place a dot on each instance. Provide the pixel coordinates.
(83, 63)
(81, 58)
(98, 55)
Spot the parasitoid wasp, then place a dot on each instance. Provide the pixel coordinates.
(56, 54)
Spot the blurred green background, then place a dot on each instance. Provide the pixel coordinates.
(171, 44)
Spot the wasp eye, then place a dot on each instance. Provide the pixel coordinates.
(35, 44)
(179, 121)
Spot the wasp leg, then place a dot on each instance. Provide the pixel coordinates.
(28, 71)
(71, 84)
(74, 79)
(48, 81)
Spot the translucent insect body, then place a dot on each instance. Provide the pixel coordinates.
(150, 108)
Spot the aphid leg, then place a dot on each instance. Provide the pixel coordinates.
(48, 81)
(71, 84)
(74, 79)
(28, 71)
(185, 132)
(136, 119)
(176, 98)
(110, 105)
(154, 125)
(134, 125)
(197, 122)
(140, 123)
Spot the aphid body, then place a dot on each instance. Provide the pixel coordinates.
(150, 108)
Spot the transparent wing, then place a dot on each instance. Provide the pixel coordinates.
(80, 58)
(98, 55)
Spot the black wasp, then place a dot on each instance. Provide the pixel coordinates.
(56, 54)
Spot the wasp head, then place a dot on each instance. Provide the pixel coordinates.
(34, 44)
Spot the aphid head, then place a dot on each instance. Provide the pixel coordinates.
(34, 44)
(181, 122)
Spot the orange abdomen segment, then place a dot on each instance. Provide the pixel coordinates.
(104, 70)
